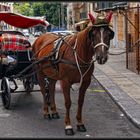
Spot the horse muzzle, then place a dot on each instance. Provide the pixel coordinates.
(101, 60)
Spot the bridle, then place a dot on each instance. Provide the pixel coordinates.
(102, 42)
(99, 44)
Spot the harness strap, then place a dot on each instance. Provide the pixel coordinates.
(57, 45)
(78, 66)
(44, 45)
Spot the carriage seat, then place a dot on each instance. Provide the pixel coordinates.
(14, 55)
(13, 42)
(10, 44)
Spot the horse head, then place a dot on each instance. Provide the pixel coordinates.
(100, 35)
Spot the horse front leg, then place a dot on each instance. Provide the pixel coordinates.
(42, 84)
(66, 91)
(82, 91)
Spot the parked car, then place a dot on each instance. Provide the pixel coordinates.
(26, 32)
(65, 32)
(37, 33)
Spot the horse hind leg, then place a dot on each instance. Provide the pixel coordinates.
(82, 90)
(66, 91)
(51, 86)
(42, 84)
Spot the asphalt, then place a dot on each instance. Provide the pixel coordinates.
(121, 84)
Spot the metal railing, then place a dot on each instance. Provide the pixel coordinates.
(132, 39)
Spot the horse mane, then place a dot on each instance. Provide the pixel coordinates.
(84, 41)
(82, 35)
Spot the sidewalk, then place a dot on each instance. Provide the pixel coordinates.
(122, 84)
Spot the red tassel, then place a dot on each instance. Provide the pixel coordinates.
(109, 16)
(92, 18)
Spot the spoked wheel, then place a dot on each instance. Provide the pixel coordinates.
(28, 84)
(6, 95)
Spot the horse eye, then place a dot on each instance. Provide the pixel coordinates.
(95, 32)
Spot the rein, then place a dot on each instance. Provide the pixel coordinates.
(78, 66)
(77, 63)
(76, 55)
(31, 65)
(116, 53)
(133, 46)
(61, 60)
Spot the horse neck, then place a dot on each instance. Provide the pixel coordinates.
(84, 48)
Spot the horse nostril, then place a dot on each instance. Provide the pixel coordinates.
(98, 57)
(101, 59)
(104, 59)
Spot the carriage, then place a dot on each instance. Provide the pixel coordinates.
(15, 56)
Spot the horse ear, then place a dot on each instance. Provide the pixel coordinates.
(109, 16)
(92, 18)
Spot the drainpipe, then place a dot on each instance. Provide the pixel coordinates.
(138, 53)
(126, 38)
(115, 40)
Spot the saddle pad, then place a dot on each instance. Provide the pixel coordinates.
(57, 45)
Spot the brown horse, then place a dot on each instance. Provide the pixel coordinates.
(71, 60)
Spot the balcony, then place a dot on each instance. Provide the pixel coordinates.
(101, 6)
(104, 6)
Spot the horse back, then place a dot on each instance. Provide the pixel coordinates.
(44, 42)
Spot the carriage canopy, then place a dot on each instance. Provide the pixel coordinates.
(21, 21)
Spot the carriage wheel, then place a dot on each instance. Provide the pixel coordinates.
(6, 96)
(28, 84)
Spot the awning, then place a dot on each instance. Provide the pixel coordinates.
(21, 21)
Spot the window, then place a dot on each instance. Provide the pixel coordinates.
(103, 5)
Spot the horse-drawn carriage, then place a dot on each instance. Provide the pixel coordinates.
(69, 59)
(15, 56)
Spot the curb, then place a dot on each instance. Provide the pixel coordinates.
(127, 104)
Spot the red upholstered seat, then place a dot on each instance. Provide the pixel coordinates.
(13, 42)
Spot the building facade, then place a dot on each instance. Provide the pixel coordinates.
(77, 15)
(5, 7)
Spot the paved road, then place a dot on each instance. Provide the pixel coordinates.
(102, 117)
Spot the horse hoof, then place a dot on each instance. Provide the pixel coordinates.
(47, 116)
(69, 131)
(81, 128)
(55, 116)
